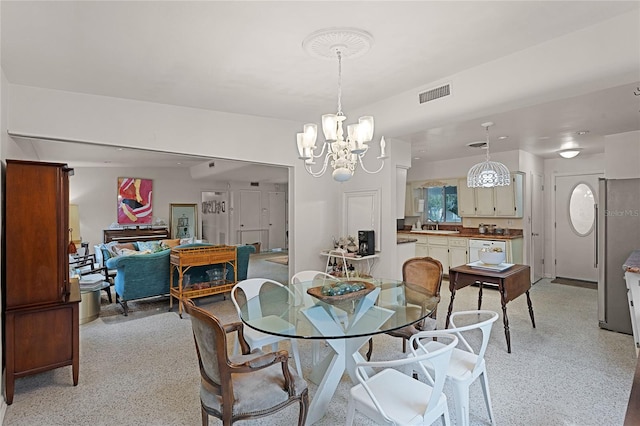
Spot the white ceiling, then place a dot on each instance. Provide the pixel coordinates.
(246, 57)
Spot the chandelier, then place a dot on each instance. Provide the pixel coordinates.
(488, 173)
(342, 154)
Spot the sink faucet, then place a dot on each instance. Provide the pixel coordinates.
(435, 222)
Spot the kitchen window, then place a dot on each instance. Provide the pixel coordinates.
(441, 204)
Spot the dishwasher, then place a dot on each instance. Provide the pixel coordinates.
(475, 245)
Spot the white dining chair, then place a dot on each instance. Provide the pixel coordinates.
(257, 339)
(392, 397)
(301, 282)
(467, 363)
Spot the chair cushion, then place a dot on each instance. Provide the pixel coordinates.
(256, 391)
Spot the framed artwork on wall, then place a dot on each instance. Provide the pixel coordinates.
(134, 201)
(183, 221)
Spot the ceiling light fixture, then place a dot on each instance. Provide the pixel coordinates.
(343, 154)
(488, 173)
(569, 153)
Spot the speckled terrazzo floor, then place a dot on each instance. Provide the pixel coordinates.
(142, 370)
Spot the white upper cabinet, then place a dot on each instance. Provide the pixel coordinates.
(502, 201)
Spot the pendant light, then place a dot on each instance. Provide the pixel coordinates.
(488, 173)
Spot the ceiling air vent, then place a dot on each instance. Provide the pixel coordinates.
(254, 183)
(436, 93)
(479, 144)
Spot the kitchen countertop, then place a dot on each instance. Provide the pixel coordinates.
(400, 240)
(632, 264)
(469, 233)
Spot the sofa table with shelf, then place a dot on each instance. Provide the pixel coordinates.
(182, 259)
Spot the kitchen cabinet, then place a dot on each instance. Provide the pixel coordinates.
(412, 206)
(501, 201)
(458, 252)
(450, 251)
(422, 246)
(439, 249)
(404, 252)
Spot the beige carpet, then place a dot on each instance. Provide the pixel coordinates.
(282, 260)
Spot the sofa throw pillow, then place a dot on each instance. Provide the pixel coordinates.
(129, 252)
(152, 246)
(117, 247)
(167, 244)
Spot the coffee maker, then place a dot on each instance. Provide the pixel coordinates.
(366, 243)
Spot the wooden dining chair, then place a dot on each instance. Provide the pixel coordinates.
(243, 386)
(425, 275)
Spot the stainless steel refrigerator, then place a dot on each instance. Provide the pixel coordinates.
(618, 233)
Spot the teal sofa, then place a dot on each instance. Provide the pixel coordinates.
(146, 275)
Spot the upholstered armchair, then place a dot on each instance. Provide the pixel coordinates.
(266, 384)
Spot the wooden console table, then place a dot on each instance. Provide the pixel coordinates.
(511, 283)
(182, 259)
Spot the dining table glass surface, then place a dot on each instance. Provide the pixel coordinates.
(385, 305)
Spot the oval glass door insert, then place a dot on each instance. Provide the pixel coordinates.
(581, 209)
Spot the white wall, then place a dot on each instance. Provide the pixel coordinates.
(313, 203)
(95, 192)
(622, 155)
(529, 164)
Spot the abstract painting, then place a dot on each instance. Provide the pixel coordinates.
(134, 201)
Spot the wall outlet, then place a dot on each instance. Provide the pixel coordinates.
(509, 222)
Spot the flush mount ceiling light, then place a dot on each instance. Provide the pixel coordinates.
(488, 173)
(344, 154)
(569, 153)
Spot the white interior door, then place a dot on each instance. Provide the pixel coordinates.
(575, 238)
(277, 220)
(537, 227)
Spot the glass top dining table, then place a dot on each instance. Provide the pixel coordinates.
(346, 322)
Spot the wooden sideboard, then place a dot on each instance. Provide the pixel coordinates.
(135, 234)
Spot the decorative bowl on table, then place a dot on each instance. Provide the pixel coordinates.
(341, 291)
(491, 256)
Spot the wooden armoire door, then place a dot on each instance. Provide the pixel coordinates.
(37, 203)
(40, 308)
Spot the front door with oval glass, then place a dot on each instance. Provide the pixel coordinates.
(575, 236)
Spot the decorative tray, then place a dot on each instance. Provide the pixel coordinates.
(478, 264)
(317, 292)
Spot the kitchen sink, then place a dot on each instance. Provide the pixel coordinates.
(433, 231)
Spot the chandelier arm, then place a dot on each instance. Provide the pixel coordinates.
(365, 169)
(319, 172)
(324, 145)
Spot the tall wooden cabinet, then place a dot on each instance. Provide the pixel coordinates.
(40, 304)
